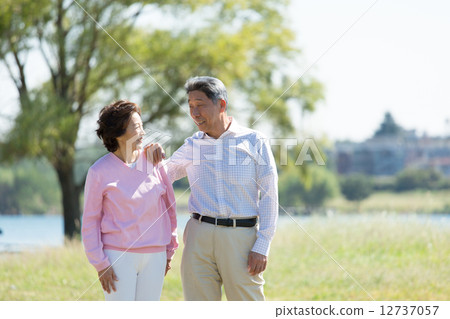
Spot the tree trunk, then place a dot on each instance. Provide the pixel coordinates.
(70, 200)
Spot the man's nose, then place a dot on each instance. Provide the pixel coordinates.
(194, 112)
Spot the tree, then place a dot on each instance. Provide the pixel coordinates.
(388, 127)
(241, 42)
(411, 178)
(28, 187)
(310, 188)
(356, 187)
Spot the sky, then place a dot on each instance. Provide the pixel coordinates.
(371, 57)
(395, 58)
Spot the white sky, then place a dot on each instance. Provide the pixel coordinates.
(396, 58)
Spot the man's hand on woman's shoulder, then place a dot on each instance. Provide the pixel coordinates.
(155, 153)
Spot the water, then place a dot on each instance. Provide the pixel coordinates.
(30, 232)
(20, 233)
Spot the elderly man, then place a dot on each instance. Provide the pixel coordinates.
(233, 202)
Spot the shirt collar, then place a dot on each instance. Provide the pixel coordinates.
(232, 129)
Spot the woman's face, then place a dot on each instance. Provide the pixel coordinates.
(133, 137)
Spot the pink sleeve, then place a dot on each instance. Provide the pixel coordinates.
(169, 199)
(92, 217)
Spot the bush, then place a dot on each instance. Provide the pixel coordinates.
(356, 187)
(310, 189)
(384, 184)
(30, 187)
(444, 183)
(411, 179)
(8, 202)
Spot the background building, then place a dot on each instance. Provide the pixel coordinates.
(391, 150)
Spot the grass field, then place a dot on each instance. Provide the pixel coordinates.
(413, 201)
(406, 202)
(382, 258)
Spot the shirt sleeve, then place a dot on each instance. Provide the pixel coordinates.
(267, 183)
(92, 217)
(169, 199)
(176, 165)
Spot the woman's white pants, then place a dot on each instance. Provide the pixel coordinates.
(140, 276)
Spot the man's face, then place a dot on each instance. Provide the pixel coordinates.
(204, 112)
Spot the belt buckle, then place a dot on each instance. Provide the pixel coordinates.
(215, 221)
(200, 219)
(234, 222)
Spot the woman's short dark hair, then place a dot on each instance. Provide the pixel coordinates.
(113, 121)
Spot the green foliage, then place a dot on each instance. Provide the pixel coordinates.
(356, 187)
(444, 210)
(421, 202)
(385, 183)
(44, 128)
(410, 179)
(388, 127)
(444, 183)
(247, 44)
(310, 189)
(29, 187)
(290, 184)
(8, 200)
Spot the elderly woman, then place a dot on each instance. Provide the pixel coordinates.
(129, 221)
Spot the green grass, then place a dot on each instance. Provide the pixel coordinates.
(390, 260)
(182, 197)
(412, 201)
(419, 201)
(407, 260)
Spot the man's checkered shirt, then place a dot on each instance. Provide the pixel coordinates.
(234, 176)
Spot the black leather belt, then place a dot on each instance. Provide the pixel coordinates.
(229, 222)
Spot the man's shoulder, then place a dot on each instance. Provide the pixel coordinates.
(248, 133)
(196, 136)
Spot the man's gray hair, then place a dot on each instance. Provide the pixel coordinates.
(213, 88)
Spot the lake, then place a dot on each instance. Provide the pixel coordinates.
(21, 233)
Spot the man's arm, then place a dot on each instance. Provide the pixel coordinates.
(176, 165)
(268, 212)
(155, 153)
(267, 183)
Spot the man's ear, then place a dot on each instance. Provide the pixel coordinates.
(223, 105)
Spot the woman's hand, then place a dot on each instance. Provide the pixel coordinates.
(167, 266)
(107, 278)
(155, 153)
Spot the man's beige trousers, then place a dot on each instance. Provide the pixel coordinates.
(214, 255)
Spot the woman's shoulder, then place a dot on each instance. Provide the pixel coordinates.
(104, 162)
